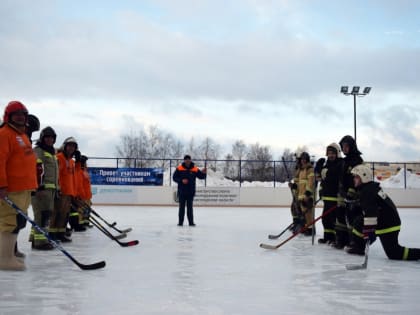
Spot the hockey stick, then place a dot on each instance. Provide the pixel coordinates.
(102, 228)
(112, 237)
(365, 262)
(111, 225)
(97, 265)
(273, 237)
(303, 229)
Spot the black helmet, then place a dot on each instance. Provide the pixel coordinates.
(33, 123)
(305, 156)
(48, 131)
(351, 143)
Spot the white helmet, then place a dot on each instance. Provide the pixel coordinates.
(364, 172)
(335, 148)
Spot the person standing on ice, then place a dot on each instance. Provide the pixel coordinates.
(328, 191)
(43, 199)
(379, 218)
(305, 189)
(18, 179)
(68, 189)
(185, 175)
(349, 210)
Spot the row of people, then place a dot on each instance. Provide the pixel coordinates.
(50, 180)
(363, 210)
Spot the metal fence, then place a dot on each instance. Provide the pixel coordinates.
(239, 173)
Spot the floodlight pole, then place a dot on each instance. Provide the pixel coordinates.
(354, 115)
(355, 92)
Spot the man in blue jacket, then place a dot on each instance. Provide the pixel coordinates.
(185, 175)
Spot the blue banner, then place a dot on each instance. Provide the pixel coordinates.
(126, 176)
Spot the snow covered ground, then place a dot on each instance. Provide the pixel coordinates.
(215, 268)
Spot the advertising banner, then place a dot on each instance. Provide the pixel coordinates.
(126, 176)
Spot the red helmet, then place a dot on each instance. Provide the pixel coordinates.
(13, 107)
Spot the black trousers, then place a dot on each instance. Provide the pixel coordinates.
(390, 244)
(328, 221)
(188, 200)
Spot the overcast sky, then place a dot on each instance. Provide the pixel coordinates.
(253, 70)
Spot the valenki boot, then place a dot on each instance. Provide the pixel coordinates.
(8, 260)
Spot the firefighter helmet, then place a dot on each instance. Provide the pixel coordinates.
(364, 172)
(13, 107)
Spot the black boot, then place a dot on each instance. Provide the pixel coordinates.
(63, 238)
(45, 246)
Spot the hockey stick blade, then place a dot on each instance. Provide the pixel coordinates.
(273, 237)
(121, 236)
(126, 230)
(356, 267)
(365, 262)
(94, 266)
(130, 243)
(267, 246)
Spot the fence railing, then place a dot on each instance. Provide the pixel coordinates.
(274, 173)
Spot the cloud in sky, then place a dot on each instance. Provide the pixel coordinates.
(269, 70)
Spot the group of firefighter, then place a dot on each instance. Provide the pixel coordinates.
(55, 182)
(355, 208)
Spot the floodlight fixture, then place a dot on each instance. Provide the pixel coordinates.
(355, 90)
(367, 90)
(344, 89)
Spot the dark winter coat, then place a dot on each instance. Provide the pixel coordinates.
(191, 173)
(352, 159)
(376, 203)
(329, 184)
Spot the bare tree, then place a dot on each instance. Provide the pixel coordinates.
(239, 150)
(259, 164)
(209, 151)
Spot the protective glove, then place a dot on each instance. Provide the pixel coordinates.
(77, 155)
(292, 186)
(340, 202)
(3, 192)
(351, 194)
(369, 229)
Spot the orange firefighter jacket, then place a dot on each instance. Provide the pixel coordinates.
(66, 175)
(17, 161)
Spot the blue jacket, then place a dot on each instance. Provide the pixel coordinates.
(191, 173)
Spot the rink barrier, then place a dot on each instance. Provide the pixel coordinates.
(223, 196)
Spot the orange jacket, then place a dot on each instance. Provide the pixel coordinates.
(86, 185)
(66, 175)
(17, 161)
(84, 191)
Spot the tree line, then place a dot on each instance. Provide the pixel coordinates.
(154, 147)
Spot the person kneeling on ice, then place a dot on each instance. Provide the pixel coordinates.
(379, 218)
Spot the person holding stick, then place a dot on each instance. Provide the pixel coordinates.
(379, 218)
(18, 178)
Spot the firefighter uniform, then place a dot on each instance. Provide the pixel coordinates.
(381, 215)
(43, 199)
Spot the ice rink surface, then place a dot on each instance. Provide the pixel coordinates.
(215, 268)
